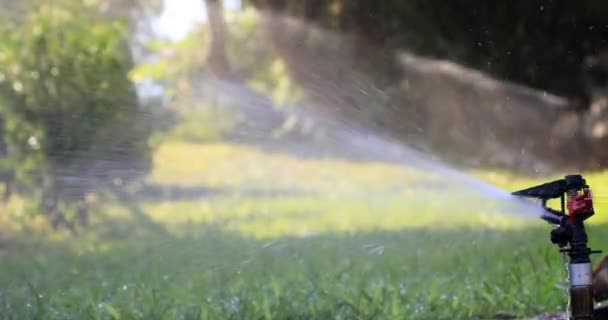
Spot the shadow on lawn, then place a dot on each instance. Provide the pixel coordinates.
(168, 192)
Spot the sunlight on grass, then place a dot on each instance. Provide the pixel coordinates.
(308, 215)
(336, 195)
(236, 166)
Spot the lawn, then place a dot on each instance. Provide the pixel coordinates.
(230, 231)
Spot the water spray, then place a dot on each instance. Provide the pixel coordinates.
(571, 237)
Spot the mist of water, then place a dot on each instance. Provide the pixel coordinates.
(343, 139)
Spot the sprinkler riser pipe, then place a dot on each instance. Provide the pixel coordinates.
(581, 291)
(580, 274)
(581, 303)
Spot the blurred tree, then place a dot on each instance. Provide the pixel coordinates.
(182, 65)
(70, 116)
(184, 70)
(216, 56)
(125, 8)
(540, 43)
(112, 9)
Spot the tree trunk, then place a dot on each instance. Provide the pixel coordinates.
(216, 57)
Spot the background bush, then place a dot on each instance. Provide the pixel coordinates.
(70, 117)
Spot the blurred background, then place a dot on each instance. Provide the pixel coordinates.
(259, 159)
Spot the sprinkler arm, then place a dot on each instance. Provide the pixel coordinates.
(551, 215)
(545, 192)
(576, 197)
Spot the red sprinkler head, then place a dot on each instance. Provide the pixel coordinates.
(580, 205)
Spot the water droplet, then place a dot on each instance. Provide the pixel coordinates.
(376, 249)
(18, 86)
(33, 142)
(234, 303)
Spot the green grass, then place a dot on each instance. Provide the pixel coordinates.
(350, 240)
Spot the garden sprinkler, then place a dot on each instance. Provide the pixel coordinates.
(571, 237)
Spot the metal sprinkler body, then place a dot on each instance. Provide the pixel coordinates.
(571, 237)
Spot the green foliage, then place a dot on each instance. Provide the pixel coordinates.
(203, 125)
(181, 65)
(261, 67)
(177, 68)
(66, 102)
